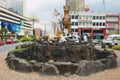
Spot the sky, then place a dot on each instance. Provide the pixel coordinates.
(43, 9)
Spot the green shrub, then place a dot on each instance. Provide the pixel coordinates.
(18, 49)
(25, 45)
(118, 38)
(116, 47)
(26, 38)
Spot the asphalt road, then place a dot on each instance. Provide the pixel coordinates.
(8, 47)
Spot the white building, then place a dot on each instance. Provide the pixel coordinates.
(17, 6)
(9, 17)
(88, 22)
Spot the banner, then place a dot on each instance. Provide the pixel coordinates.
(10, 26)
(6, 25)
(16, 28)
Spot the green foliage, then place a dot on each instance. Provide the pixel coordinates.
(116, 47)
(25, 45)
(12, 32)
(6, 37)
(18, 49)
(118, 38)
(26, 38)
(97, 43)
(4, 30)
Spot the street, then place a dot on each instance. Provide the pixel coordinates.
(8, 47)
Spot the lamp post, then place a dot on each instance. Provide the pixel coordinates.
(33, 29)
(45, 29)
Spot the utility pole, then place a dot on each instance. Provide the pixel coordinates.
(45, 27)
(104, 4)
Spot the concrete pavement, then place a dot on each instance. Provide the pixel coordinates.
(8, 47)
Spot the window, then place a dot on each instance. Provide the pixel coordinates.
(83, 23)
(93, 23)
(97, 24)
(103, 17)
(97, 17)
(93, 17)
(100, 24)
(103, 24)
(76, 17)
(100, 17)
(80, 23)
(72, 23)
(72, 30)
(76, 30)
(76, 23)
(72, 16)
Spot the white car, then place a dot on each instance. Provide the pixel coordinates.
(73, 38)
(112, 40)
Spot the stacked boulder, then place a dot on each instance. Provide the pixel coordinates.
(77, 59)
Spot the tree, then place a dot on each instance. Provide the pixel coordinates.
(12, 32)
(34, 19)
(3, 32)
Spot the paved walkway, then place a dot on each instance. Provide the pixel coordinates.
(8, 47)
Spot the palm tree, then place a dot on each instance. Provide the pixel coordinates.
(12, 32)
(34, 19)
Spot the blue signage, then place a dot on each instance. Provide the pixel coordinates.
(16, 28)
(10, 26)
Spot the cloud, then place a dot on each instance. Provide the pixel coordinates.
(111, 6)
(44, 8)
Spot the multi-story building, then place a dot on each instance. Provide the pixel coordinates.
(15, 22)
(95, 23)
(76, 5)
(74, 21)
(17, 6)
(86, 22)
(38, 32)
(112, 24)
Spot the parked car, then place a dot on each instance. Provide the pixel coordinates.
(112, 40)
(9, 41)
(15, 41)
(1, 43)
(73, 38)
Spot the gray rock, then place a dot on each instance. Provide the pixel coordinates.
(88, 68)
(111, 62)
(9, 57)
(66, 67)
(32, 62)
(51, 61)
(37, 66)
(49, 69)
(21, 65)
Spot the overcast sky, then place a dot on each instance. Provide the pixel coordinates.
(43, 9)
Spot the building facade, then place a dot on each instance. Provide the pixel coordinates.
(76, 5)
(17, 6)
(15, 22)
(38, 32)
(95, 24)
(112, 24)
